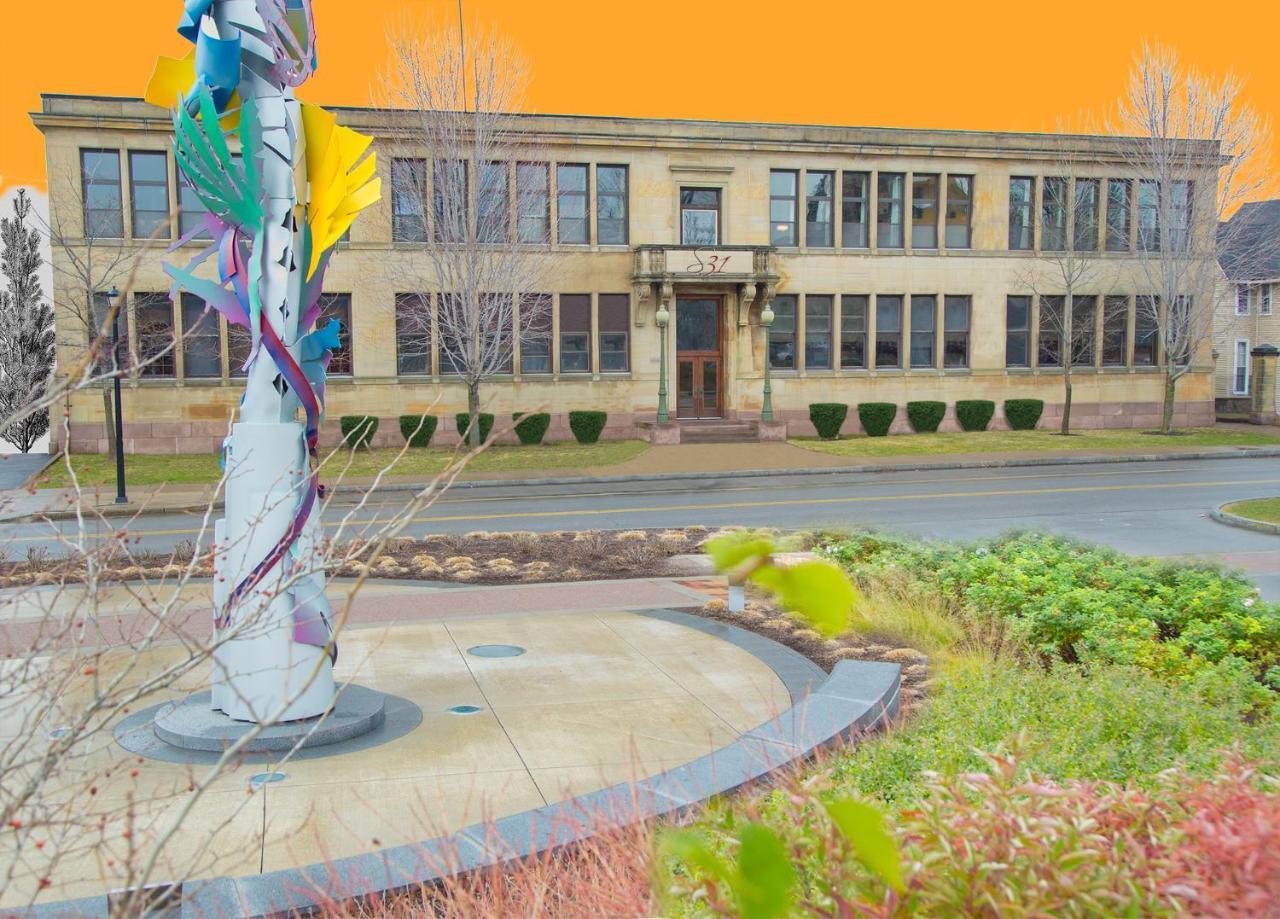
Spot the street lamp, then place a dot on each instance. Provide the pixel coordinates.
(112, 296)
(766, 320)
(662, 317)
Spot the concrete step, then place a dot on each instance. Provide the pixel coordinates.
(718, 432)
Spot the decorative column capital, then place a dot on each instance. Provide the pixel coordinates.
(644, 292)
(746, 299)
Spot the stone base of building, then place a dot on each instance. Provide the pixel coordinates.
(172, 437)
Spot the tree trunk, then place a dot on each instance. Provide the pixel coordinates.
(109, 416)
(1066, 405)
(473, 412)
(1170, 390)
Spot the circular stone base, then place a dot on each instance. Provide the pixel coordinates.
(193, 725)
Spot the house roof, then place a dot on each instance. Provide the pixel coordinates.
(1249, 243)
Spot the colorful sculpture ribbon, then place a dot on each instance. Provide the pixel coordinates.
(274, 40)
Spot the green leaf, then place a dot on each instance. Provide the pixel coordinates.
(690, 848)
(728, 552)
(863, 826)
(765, 875)
(817, 591)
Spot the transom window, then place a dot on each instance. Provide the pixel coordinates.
(700, 216)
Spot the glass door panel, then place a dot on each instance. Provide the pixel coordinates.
(684, 389)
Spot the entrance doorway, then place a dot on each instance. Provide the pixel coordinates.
(699, 357)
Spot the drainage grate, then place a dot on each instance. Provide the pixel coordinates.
(264, 778)
(465, 709)
(495, 651)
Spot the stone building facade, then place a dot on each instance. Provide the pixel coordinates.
(896, 262)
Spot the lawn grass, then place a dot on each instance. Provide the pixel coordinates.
(202, 469)
(1266, 510)
(1011, 441)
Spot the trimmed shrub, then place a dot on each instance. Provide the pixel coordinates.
(417, 429)
(827, 417)
(975, 414)
(925, 416)
(876, 417)
(531, 428)
(587, 425)
(358, 430)
(1023, 414)
(463, 421)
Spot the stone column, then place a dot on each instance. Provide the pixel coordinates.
(1262, 384)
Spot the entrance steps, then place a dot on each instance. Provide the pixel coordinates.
(718, 432)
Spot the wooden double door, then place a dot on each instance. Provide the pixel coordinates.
(699, 357)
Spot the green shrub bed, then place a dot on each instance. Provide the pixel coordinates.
(975, 414)
(876, 417)
(358, 430)
(531, 428)
(925, 416)
(827, 418)
(1023, 414)
(463, 422)
(417, 430)
(587, 425)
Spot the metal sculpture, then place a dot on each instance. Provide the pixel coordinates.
(274, 213)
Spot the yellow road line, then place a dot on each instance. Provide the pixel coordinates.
(742, 505)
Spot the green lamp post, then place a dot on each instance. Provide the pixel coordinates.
(766, 320)
(662, 317)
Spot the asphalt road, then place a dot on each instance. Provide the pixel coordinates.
(1142, 508)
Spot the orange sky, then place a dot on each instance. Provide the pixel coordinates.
(1012, 66)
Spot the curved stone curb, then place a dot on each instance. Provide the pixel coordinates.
(856, 698)
(1244, 523)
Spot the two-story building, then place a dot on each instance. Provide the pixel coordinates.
(895, 262)
(1250, 286)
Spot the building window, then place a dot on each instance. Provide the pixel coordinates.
(1084, 227)
(575, 333)
(154, 316)
(700, 216)
(1264, 306)
(191, 211)
(449, 193)
(533, 203)
(853, 331)
(817, 331)
(408, 192)
(1053, 215)
(571, 203)
(782, 207)
(1022, 197)
(924, 211)
(853, 210)
(890, 188)
(497, 314)
(924, 319)
(1242, 299)
(888, 330)
(615, 333)
(1180, 217)
(201, 340)
(239, 346)
(1084, 319)
(103, 204)
(1240, 374)
(493, 204)
(1145, 332)
(956, 313)
(413, 334)
(819, 191)
(1017, 331)
(782, 334)
(1049, 340)
(1148, 215)
(959, 212)
(1115, 331)
(535, 333)
(611, 205)
(1119, 211)
(338, 306)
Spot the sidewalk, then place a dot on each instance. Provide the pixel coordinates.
(658, 463)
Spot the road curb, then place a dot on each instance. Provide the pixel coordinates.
(668, 477)
(1244, 523)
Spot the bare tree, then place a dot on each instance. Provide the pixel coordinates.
(471, 192)
(1068, 276)
(26, 328)
(1197, 151)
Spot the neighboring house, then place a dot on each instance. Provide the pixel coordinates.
(1249, 295)
(894, 260)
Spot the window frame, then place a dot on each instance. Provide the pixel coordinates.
(484, 206)
(1084, 347)
(1148, 229)
(537, 342)
(888, 335)
(562, 195)
(1125, 208)
(921, 206)
(346, 336)
(1237, 367)
(691, 208)
(1093, 211)
(887, 204)
(459, 222)
(580, 302)
(921, 336)
(950, 334)
(1055, 209)
(624, 197)
(862, 201)
(1109, 302)
(780, 334)
(525, 197)
(791, 239)
(403, 335)
(823, 338)
(418, 188)
(624, 330)
(853, 335)
(955, 207)
(87, 182)
(210, 329)
(166, 366)
(1141, 317)
(811, 199)
(1025, 226)
(1049, 332)
(1022, 332)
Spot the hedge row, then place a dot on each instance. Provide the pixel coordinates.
(417, 430)
(877, 417)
